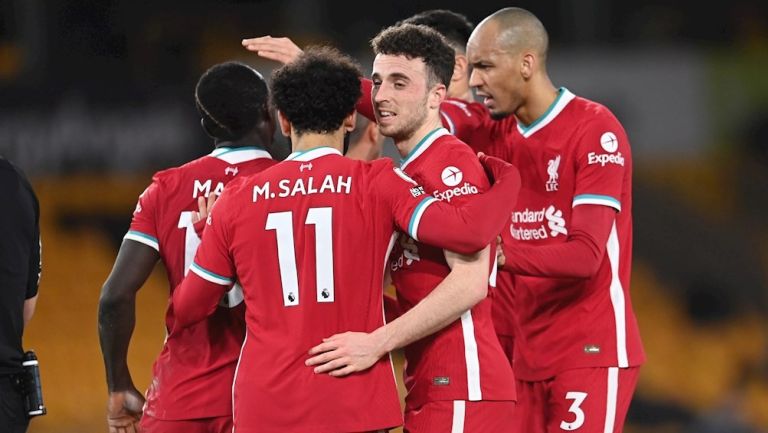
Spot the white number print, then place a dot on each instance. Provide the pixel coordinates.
(282, 224)
(578, 398)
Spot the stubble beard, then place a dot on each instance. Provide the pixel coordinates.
(410, 127)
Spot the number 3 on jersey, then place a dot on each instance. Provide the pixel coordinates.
(282, 224)
(578, 398)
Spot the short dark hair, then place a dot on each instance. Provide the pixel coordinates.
(418, 41)
(317, 90)
(232, 98)
(455, 27)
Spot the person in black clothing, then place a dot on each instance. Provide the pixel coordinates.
(19, 277)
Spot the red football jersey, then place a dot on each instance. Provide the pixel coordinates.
(576, 154)
(471, 123)
(308, 241)
(193, 373)
(464, 361)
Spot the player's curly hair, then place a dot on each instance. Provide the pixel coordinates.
(232, 98)
(455, 27)
(317, 90)
(418, 42)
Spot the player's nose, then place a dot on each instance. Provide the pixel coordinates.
(474, 79)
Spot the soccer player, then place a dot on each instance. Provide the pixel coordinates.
(192, 376)
(308, 240)
(461, 115)
(457, 379)
(577, 347)
(365, 141)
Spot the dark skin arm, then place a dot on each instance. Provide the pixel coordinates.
(117, 316)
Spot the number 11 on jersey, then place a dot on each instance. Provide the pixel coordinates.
(282, 224)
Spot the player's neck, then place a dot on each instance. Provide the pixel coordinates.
(311, 140)
(538, 102)
(406, 145)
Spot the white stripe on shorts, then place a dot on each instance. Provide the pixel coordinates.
(611, 399)
(459, 410)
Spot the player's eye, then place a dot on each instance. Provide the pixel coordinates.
(376, 83)
(399, 85)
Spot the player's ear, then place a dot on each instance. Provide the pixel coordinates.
(349, 122)
(285, 125)
(437, 95)
(372, 133)
(460, 68)
(527, 65)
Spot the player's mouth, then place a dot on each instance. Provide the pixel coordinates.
(385, 116)
(488, 100)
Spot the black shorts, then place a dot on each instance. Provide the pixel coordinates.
(12, 412)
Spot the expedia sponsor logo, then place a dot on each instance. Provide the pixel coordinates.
(537, 224)
(604, 158)
(449, 194)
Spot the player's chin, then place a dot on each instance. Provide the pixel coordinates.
(498, 114)
(388, 129)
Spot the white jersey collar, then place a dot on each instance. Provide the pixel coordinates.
(314, 153)
(236, 155)
(423, 145)
(564, 96)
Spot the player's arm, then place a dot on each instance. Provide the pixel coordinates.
(465, 286)
(117, 316)
(211, 273)
(135, 260)
(579, 256)
(472, 225)
(601, 155)
(282, 50)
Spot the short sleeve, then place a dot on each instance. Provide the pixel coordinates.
(144, 222)
(401, 197)
(213, 261)
(602, 159)
(453, 175)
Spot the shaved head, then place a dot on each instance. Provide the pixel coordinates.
(517, 30)
(508, 54)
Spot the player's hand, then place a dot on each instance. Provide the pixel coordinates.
(494, 167)
(500, 259)
(346, 353)
(204, 208)
(281, 50)
(124, 411)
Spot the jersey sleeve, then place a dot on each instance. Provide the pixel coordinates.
(465, 229)
(144, 222)
(213, 261)
(460, 118)
(602, 157)
(212, 270)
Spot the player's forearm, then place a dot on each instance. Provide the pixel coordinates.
(195, 299)
(578, 257)
(473, 225)
(116, 322)
(465, 286)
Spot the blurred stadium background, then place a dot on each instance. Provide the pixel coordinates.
(97, 95)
